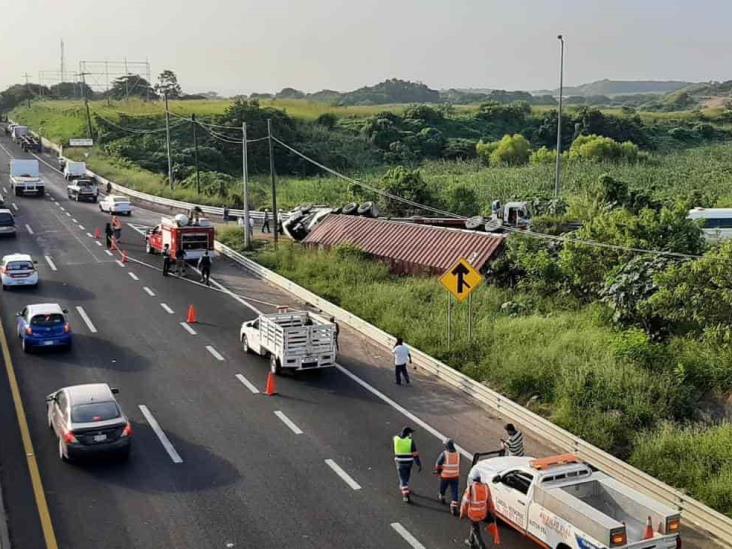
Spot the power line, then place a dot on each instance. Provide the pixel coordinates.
(134, 130)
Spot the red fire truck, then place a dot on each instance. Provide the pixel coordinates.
(194, 235)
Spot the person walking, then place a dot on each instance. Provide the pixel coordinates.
(401, 357)
(514, 444)
(204, 265)
(108, 234)
(117, 229)
(180, 262)
(476, 505)
(337, 331)
(448, 468)
(226, 215)
(251, 226)
(166, 259)
(109, 188)
(265, 224)
(405, 455)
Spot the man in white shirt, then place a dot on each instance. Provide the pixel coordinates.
(401, 357)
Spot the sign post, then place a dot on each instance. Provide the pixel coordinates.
(449, 321)
(460, 280)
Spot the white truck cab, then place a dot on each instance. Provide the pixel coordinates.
(562, 503)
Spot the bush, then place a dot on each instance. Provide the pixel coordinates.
(544, 156)
(602, 149)
(407, 184)
(512, 150)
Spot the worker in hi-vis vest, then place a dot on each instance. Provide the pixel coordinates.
(476, 505)
(405, 455)
(448, 469)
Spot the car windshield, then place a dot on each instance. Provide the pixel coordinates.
(120, 200)
(53, 319)
(19, 266)
(95, 411)
(6, 217)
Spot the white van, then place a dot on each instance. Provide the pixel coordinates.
(716, 222)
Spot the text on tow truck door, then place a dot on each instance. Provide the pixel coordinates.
(511, 498)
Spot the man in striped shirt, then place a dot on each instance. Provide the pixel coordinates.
(514, 445)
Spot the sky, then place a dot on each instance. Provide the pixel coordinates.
(243, 46)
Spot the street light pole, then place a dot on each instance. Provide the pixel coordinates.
(245, 186)
(557, 174)
(167, 140)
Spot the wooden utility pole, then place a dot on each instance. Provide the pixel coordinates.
(167, 140)
(274, 186)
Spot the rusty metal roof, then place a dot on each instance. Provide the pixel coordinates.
(408, 247)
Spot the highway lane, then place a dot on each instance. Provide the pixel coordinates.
(157, 363)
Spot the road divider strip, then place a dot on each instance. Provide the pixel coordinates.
(167, 309)
(86, 319)
(215, 353)
(164, 440)
(408, 537)
(248, 384)
(50, 263)
(188, 329)
(287, 421)
(341, 473)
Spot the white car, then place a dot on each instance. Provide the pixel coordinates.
(115, 205)
(18, 270)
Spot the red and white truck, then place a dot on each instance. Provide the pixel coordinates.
(193, 235)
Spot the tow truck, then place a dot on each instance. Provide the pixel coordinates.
(560, 502)
(193, 234)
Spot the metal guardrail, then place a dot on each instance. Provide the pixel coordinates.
(716, 524)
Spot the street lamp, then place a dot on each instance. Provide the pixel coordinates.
(559, 118)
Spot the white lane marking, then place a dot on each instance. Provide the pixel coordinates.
(62, 208)
(110, 254)
(74, 220)
(98, 243)
(15, 206)
(133, 276)
(214, 352)
(68, 214)
(83, 228)
(287, 421)
(187, 328)
(164, 440)
(120, 263)
(166, 308)
(5, 190)
(149, 291)
(341, 473)
(28, 228)
(409, 538)
(86, 319)
(90, 235)
(248, 384)
(50, 263)
(402, 410)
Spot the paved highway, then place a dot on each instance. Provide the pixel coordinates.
(310, 468)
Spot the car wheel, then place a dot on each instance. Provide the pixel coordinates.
(62, 451)
(274, 365)
(244, 344)
(100, 208)
(25, 346)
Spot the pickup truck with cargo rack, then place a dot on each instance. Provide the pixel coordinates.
(82, 189)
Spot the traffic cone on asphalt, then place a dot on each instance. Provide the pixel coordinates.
(124, 257)
(492, 529)
(271, 388)
(192, 317)
(648, 533)
(98, 233)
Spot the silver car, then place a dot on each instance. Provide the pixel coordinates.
(88, 421)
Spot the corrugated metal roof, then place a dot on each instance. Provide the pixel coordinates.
(408, 247)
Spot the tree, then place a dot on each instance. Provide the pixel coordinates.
(512, 150)
(407, 184)
(131, 85)
(462, 199)
(602, 149)
(168, 84)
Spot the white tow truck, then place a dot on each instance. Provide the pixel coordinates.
(561, 502)
(25, 177)
(296, 340)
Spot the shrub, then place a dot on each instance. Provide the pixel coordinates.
(601, 149)
(512, 150)
(484, 150)
(544, 156)
(406, 184)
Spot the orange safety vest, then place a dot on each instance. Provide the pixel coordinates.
(477, 499)
(451, 467)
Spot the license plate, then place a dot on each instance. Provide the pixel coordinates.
(100, 438)
(47, 343)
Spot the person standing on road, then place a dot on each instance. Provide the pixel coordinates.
(180, 262)
(405, 455)
(476, 505)
(448, 468)
(108, 234)
(166, 259)
(514, 445)
(226, 214)
(337, 331)
(204, 265)
(116, 228)
(401, 357)
(265, 224)
(109, 188)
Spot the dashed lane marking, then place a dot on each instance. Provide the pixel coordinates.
(167, 309)
(28, 228)
(215, 353)
(248, 384)
(133, 276)
(341, 473)
(110, 254)
(164, 440)
(409, 538)
(86, 319)
(187, 328)
(148, 291)
(50, 263)
(287, 421)
(15, 206)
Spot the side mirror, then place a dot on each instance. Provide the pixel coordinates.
(115, 391)
(19, 313)
(51, 398)
(497, 479)
(35, 262)
(65, 311)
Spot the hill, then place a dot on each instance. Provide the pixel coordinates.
(391, 91)
(624, 87)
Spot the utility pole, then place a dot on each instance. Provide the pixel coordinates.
(245, 186)
(195, 154)
(27, 90)
(557, 174)
(86, 105)
(62, 61)
(167, 139)
(274, 187)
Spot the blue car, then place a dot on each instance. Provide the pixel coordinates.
(43, 325)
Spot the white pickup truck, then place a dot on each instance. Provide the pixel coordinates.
(562, 503)
(295, 340)
(74, 170)
(25, 177)
(82, 189)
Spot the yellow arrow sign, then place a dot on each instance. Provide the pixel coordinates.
(461, 279)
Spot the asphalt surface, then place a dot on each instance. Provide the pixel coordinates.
(246, 479)
(253, 471)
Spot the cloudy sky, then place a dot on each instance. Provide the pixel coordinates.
(241, 46)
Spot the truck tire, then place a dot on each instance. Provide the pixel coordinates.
(350, 209)
(274, 365)
(244, 344)
(41, 192)
(149, 249)
(17, 191)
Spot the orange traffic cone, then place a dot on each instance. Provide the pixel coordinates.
(124, 257)
(192, 317)
(98, 233)
(648, 533)
(492, 529)
(271, 388)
